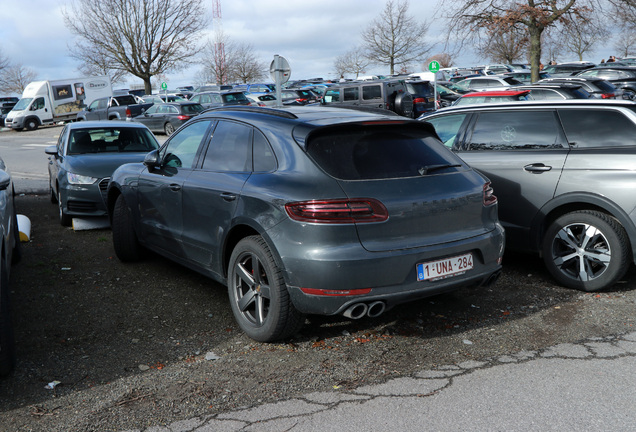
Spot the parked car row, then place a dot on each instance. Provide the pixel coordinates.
(343, 207)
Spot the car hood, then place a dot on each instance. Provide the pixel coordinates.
(99, 165)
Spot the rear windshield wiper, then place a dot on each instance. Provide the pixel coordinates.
(430, 168)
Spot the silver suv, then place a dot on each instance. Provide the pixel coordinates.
(565, 175)
(383, 94)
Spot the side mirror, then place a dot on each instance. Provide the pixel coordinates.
(5, 180)
(51, 150)
(152, 159)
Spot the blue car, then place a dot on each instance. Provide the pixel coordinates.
(81, 163)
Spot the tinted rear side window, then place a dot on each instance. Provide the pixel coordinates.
(509, 130)
(380, 152)
(598, 128)
(371, 92)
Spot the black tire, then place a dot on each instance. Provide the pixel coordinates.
(65, 220)
(125, 241)
(404, 104)
(586, 250)
(31, 124)
(7, 342)
(258, 295)
(168, 129)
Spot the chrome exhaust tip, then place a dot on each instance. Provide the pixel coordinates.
(356, 311)
(376, 309)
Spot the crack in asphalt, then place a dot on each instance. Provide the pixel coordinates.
(287, 415)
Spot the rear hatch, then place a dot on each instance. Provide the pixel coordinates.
(430, 195)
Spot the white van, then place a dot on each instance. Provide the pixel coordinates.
(47, 102)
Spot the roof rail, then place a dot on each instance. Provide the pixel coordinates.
(258, 110)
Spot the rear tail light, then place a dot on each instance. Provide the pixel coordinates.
(420, 100)
(608, 96)
(183, 117)
(301, 100)
(489, 195)
(340, 211)
(128, 113)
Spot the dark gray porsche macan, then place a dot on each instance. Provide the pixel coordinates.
(310, 211)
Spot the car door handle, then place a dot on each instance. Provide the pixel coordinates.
(537, 168)
(227, 196)
(175, 187)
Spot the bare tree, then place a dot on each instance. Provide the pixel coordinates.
(353, 62)
(444, 59)
(216, 65)
(470, 20)
(141, 37)
(244, 66)
(625, 44)
(551, 44)
(582, 36)
(227, 61)
(16, 77)
(504, 46)
(93, 62)
(395, 38)
(4, 62)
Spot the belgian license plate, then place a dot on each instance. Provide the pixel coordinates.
(444, 268)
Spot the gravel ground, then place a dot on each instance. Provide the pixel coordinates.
(152, 343)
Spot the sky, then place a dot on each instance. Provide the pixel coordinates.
(309, 34)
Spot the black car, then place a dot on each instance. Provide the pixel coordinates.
(167, 117)
(597, 87)
(566, 69)
(563, 172)
(387, 94)
(423, 96)
(525, 76)
(310, 210)
(215, 99)
(623, 78)
(555, 91)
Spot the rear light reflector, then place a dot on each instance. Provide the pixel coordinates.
(335, 293)
(183, 117)
(489, 195)
(340, 211)
(420, 100)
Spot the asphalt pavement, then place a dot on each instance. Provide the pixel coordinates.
(588, 386)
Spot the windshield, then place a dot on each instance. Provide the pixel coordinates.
(22, 104)
(111, 140)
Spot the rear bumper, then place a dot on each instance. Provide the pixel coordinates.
(390, 277)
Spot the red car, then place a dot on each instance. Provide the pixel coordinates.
(493, 96)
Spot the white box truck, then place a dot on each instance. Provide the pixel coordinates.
(47, 102)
